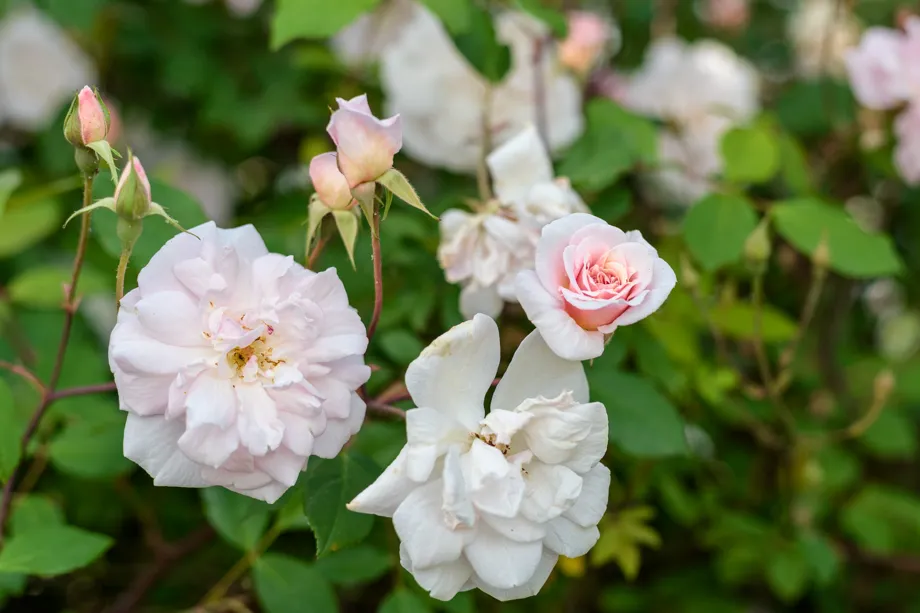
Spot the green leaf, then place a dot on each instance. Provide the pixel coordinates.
(72, 453)
(400, 345)
(853, 251)
(883, 520)
(454, 14)
(288, 585)
(737, 321)
(347, 224)
(794, 169)
(10, 180)
(330, 485)
(821, 556)
(730, 218)
(105, 152)
(23, 226)
(157, 231)
(43, 287)
(33, 513)
(295, 19)
(554, 19)
(238, 519)
(399, 186)
(481, 47)
(893, 436)
(623, 534)
(402, 600)
(11, 430)
(787, 573)
(51, 550)
(353, 565)
(751, 155)
(614, 141)
(643, 423)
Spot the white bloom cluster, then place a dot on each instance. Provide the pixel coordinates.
(491, 501)
(485, 250)
(821, 31)
(700, 90)
(442, 100)
(40, 69)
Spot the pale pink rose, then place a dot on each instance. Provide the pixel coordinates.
(726, 14)
(235, 364)
(329, 182)
(588, 37)
(93, 126)
(907, 151)
(366, 145)
(590, 278)
(876, 69)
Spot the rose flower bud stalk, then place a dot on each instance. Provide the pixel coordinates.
(591, 277)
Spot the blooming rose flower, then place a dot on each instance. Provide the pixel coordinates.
(40, 69)
(485, 250)
(590, 278)
(235, 364)
(589, 37)
(821, 33)
(366, 145)
(329, 182)
(426, 80)
(491, 501)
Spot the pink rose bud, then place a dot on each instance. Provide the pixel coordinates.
(587, 40)
(727, 14)
(132, 194)
(591, 277)
(329, 182)
(87, 120)
(366, 145)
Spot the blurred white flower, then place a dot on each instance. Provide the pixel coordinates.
(235, 364)
(700, 90)
(491, 501)
(821, 31)
(364, 39)
(485, 250)
(41, 69)
(441, 99)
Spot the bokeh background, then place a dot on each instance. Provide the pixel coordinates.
(696, 121)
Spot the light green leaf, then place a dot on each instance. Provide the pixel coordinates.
(737, 321)
(330, 485)
(288, 585)
(10, 180)
(295, 19)
(104, 203)
(72, 453)
(853, 251)
(33, 512)
(614, 142)
(105, 152)
(238, 519)
(11, 430)
(553, 18)
(794, 169)
(52, 550)
(643, 423)
(347, 224)
(787, 573)
(399, 186)
(730, 218)
(291, 516)
(43, 287)
(23, 226)
(353, 565)
(751, 155)
(821, 556)
(402, 600)
(454, 14)
(623, 534)
(883, 520)
(400, 345)
(893, 436)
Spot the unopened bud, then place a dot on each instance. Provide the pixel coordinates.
(132, 194)
(330, 184)
(821, 258)
(757, 247)
(87, 120)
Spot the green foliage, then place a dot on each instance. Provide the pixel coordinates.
(239, 520)
(43, 287)
(751, 154)
(622, 537)
(10, 433)
(883, 520)
(730, 218)
(295, 19)
(402, 600)
(50, 550)
(285, 585)
(354, 565)
(480, 46)
(10, 180)
(24, 225)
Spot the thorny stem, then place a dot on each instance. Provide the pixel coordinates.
(378, 275)
(216, 593)
(120, 277)
(47, 392)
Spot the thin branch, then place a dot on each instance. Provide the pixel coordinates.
(819, 274)
(25, 373)
(385, 409)
(761, 355)
(84, 390)
(378, 275)
(216, 593)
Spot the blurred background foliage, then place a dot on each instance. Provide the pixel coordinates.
(726, 498)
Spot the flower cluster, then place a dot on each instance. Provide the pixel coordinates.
(484, 250)
(701, 91)
(883, 76)
(491, 501)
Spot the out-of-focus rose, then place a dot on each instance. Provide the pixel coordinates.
(821, 32)
(591, 277)
(329, 182)
(875, 69)
(235, 364)
(87, 121)
(492, 501)
(366, 145)
(907, 151)
(588, 39)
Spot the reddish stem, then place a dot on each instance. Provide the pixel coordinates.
(378, 275)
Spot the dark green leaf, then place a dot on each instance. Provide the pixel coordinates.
(822, 557)
(402, 600)
(288, 585)
(34, 512)
(240, 520)
(553, 18)
(91, 449)
(893, 436)
(353, 565)
(787, 573)
(481, 47)
(10, 180)
(51, 550)
(400, 346)
(454, 14)
(295, 19)
(883, 520)
(11, 430)
(331, 484)
(23, 226)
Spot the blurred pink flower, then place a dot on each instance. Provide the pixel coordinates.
(726, 14)
(366, 145)
(588, 38)
(591, 277)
